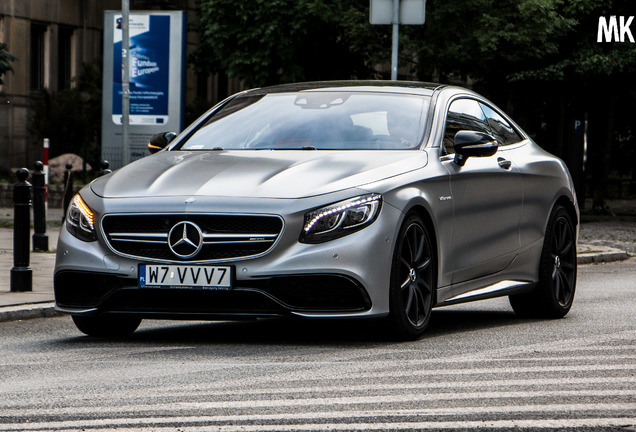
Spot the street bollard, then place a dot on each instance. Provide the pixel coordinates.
(105, 170)
(21, 273)
(46, 168)
(68, 188)
(40, 239)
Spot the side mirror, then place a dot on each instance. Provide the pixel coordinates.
(160, 141)
(473, 144)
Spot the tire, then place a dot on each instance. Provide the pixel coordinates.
(413, 280)
(110, 326)
(554, 293)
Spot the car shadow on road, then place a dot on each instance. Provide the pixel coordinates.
(284, 332)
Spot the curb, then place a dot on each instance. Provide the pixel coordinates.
(601, 258)
(593, 254)
(28, 311)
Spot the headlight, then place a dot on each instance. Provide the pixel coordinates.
(79, 220)
(340, 219)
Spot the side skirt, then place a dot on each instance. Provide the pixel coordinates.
(499, 289)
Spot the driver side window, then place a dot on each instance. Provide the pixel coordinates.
(463, 114)
(501, 129)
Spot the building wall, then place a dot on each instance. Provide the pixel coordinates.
(82, 21)
(79, 19)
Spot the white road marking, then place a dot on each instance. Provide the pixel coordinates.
(136, 425)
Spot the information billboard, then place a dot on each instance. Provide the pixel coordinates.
(156, 70)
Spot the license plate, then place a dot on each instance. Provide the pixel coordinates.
(185, 276)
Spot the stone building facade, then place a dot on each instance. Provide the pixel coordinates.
(51, 39)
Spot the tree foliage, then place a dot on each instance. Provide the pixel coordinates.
(5, 61)
(275, 41)
(540, 60)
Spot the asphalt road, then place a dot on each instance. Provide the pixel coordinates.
(478, 367)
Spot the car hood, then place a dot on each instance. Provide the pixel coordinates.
(261, 173)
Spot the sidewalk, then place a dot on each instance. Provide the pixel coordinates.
(601, 239)
(39, 301)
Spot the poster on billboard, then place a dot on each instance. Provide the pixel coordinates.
(156, 70)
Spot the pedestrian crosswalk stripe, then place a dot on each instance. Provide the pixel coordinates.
(346, 401)
(206, 424)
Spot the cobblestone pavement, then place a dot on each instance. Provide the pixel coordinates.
(619, 233)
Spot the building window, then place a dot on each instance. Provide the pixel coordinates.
(65, 38)
(37, 56)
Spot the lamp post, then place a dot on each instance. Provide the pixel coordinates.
(125, 80)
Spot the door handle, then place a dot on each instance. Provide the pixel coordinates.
(504, 163)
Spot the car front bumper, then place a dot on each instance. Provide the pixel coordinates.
(345, 277)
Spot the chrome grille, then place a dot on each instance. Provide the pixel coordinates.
(224, 236)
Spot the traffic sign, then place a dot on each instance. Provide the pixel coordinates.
(412, 12)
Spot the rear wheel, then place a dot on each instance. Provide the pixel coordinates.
(412, 290)
(554, 294)
(108, 326)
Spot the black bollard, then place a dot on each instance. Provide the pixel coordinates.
(68, 188)
(105, 170)
(21, 274)
(40, 239)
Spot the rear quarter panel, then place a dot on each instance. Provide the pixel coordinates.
(545, 179)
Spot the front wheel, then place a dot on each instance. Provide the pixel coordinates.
(413, 270)
(106, 326)
(554, 294)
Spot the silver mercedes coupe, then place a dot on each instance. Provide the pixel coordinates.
(324, 200)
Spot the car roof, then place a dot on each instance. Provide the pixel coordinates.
(406, 87)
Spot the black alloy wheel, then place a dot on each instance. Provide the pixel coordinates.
(554, 294)
(563, 262)
(413, 273)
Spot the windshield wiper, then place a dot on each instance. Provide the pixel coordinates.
(291, 148)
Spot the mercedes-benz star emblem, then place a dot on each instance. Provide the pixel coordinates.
(185, 239)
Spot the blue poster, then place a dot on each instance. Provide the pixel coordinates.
(149, 69)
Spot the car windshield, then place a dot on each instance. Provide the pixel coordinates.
(318, 120)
